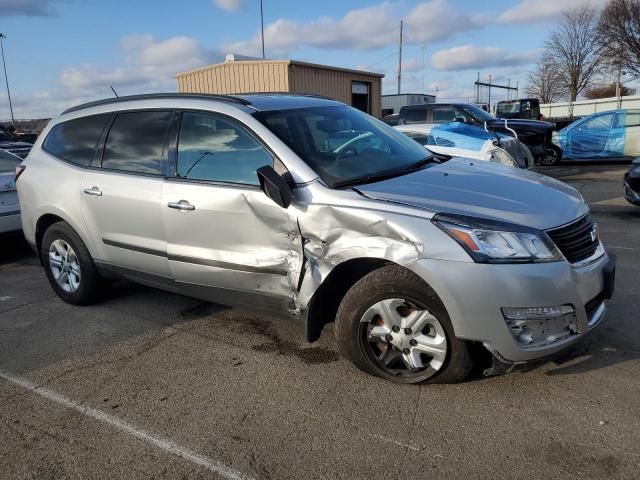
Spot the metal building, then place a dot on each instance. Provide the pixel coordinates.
(393, 103)
(360, 89)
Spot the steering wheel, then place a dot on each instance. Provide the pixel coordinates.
(346, 152)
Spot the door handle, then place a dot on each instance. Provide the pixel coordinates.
(182, 205)
(93, 191)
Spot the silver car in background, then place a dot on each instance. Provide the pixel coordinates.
(9, 206)
(303, 207)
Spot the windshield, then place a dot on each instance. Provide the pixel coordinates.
(478, 114)
(511, 107)
(343, 145)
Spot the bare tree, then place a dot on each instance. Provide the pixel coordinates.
(545, 82)
(619, 29)
(574, 48)
(606, 91)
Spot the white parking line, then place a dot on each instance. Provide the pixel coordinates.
(162, 443)
(622, 248)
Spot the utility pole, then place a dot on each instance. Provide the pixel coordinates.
(400, 60)
(262, 28)
(6, 79)
(424, 89)
(618, 86)
(489, 101)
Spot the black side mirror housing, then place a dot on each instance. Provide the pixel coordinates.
(274, 186)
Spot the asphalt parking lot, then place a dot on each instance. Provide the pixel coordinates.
(152, 385)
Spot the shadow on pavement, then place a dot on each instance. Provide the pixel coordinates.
(14, 248)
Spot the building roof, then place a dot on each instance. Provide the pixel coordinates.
(281, 62)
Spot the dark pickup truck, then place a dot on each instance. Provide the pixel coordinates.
(533, 133)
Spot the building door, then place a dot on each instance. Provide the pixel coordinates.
(360, 96)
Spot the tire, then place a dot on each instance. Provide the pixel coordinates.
(364, 338)
(553, 159)
(82, 283)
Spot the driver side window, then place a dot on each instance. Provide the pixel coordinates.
(600, 122)
(214, 148)
(444, 114)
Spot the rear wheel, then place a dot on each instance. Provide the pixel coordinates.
(69, 266)
(392, 324)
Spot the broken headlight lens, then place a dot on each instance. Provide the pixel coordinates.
(497, 242)
(499, 155)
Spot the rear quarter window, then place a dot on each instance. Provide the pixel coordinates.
(75, 140)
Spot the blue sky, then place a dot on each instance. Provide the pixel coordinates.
(63, 52)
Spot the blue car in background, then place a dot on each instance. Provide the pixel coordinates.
(613, 135)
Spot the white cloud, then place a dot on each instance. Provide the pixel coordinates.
(466, 57)
(438, 20)
(528, 11)
(361, 29)
(27, 7)
(149, 64)
(229, 5)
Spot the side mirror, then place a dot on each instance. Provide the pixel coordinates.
(636, 161)
(274, 186)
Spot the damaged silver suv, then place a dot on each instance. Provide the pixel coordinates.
(303, 207)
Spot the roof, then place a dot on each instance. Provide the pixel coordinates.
(281, 62)
(258, 101)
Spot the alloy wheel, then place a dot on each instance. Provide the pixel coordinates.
(65, 266)
(403, 339)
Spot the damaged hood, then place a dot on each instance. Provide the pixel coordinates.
(485, 190)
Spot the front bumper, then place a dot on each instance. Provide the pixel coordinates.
(474, 294)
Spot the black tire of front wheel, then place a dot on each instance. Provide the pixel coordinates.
(90, 282)
(385, 282)
(555, 160)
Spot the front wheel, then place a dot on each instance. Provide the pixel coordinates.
(552, 156)
(393, 325)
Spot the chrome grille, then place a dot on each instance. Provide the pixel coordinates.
(578, 240)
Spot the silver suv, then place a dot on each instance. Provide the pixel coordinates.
(303, 207)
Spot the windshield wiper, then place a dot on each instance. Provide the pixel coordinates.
(422, 163)
(375, 177)
(367, 179)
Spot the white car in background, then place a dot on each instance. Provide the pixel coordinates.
(458, 139)
(9, 207)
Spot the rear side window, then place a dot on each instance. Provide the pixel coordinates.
(214, 148)
(136, 142)
(8, 162)
(75, 140)
(416, 115)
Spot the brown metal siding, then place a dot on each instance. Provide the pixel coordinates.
(280, 76)
(335, 84)
(236, 77)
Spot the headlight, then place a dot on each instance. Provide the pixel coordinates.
(500, 155)
(487, 241)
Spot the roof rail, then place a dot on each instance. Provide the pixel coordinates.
(291, 94)
(149, 96)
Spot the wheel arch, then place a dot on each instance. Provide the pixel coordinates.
(45, 220)
(326, 299)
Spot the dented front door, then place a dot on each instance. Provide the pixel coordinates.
(231, 244)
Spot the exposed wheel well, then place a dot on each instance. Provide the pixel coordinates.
(43, 223)
(325, 302)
